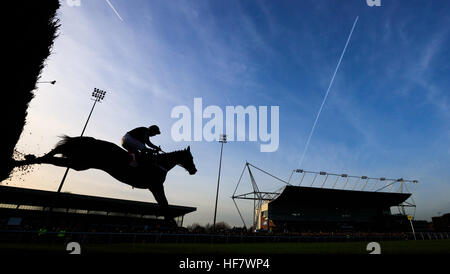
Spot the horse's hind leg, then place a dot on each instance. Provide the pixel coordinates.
(57, 161)
(52, 153)
(31, 160)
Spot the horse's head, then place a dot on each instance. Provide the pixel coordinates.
(187, 161)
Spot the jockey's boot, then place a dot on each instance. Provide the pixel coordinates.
(133, 161)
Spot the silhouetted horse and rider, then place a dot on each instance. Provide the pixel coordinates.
(140, 167)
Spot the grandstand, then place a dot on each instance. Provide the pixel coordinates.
(31, 209)
(329, 203)
(441, 223)
(316, 209)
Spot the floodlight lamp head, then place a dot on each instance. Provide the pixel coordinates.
(98, 94)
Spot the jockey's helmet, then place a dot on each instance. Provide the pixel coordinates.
(154, 129)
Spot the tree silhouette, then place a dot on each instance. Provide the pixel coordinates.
(27, 39)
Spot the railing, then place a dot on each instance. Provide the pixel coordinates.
(21, 236)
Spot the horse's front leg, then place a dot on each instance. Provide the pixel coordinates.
(160, 197)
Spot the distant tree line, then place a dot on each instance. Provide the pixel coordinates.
(221, 227)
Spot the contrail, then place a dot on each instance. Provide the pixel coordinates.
(326, 94)
(115, 11)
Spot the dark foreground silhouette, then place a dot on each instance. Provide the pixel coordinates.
(82, 153)
(27, 42)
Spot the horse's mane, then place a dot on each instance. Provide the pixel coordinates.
(174, 153)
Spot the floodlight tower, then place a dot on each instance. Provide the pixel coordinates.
(222, 140)
(97, 96)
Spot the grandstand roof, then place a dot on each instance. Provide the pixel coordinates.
(33, 197)
(313, 196)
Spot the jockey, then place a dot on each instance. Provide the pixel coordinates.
(135, 141)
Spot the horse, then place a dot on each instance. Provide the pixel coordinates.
(82, 153)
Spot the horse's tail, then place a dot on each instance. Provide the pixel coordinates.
(64, 140)
(89, 152)
(75, 146)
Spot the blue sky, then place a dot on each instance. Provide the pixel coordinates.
(387, 113)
